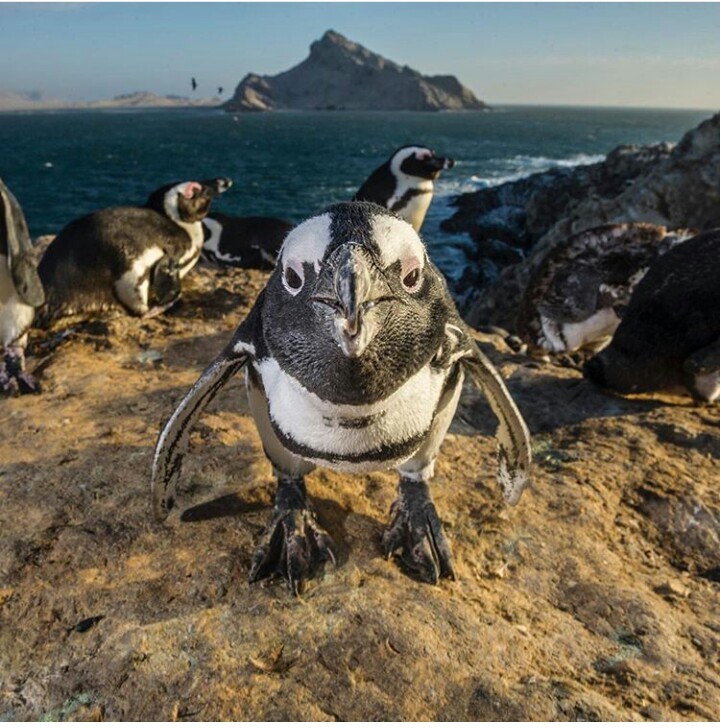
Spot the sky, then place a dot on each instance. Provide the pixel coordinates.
(609, 54)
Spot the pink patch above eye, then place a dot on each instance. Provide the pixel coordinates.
(190, 189)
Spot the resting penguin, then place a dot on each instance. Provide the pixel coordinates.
(575, 298)
(20, 293)
(404, 184)
(244, 242)
(355, 357)
(128, 256)
(670, 333)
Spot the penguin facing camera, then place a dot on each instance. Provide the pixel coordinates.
(244, 242)
(355, 357)
(670, 332)
(405, 183)
(128, 257)
(575, 299)
(20, 294)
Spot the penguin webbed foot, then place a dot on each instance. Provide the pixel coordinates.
(13, 375)
(294, 546)
(416, 533)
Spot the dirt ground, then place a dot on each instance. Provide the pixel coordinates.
(596, 598)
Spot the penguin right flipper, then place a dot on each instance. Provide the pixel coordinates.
(173, 440)
(165, 281)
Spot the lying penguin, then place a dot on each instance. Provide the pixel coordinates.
(244, 242)
(128, 256)
(670, 333)
(574, 300)
(404, 184)
(20, 294)
(355, 358)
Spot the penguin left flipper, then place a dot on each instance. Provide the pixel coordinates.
(513, 438)
(20, 252)
(172, 443)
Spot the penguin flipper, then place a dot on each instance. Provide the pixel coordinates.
(514, 450)
(20, 250)
(173, 440)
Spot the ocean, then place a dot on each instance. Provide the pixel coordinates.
(61, 165)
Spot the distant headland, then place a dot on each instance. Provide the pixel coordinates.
(342, 75)
(35, 101)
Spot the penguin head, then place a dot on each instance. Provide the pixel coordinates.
(418, 161)
(355, 302)
(189, 201)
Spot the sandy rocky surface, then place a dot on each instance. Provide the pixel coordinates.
(596, 598)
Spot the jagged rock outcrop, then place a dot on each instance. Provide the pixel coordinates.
(513, 225)
(342, 75)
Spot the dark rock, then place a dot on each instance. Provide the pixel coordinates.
(675, 186)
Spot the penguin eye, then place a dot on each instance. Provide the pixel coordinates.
(293, 277)
(411, 280)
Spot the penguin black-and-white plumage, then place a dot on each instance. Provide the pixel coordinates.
(670, 332)
(405, 183)
(244, 242)
(128, 256)
(355, 357)
(575, 298)
(21, 292)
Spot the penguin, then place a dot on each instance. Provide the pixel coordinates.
(670, 332)
(21, 292)
(405, 183)
(575, 298)
(128, 256)
(243, 242)
(355, 358)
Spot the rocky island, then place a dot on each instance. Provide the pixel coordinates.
(342, 75)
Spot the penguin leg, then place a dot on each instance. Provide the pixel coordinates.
(294, 544)
(416, 533)
(415, 530)
(12, 370)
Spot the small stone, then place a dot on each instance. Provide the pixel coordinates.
(673, 587)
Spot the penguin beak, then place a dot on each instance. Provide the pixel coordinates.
(212, 187)
(357, 286)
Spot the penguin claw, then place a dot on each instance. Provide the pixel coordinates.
(416, 533)
(13, 377)
(294, 546)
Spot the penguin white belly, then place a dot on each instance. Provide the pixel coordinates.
(15, 316)
(416, 209)
(411, 201)
(197, 238)
(597, 329)
(352, 438)
(708, 386)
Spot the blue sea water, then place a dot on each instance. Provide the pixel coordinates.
(64, 164)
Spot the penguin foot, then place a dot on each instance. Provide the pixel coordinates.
(161, 309)
(13, 375)
(294, 545)
(416, 532)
